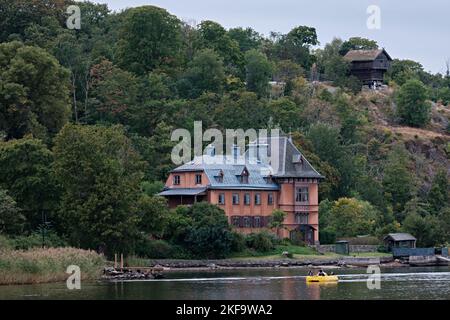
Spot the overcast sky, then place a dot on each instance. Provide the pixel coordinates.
(417, 30)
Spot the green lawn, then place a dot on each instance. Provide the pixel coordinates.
(276, 253)
(299, 253)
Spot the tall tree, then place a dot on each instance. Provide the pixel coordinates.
(438, 197)
(26, 172)
(113, 94)
(100, 174)
(258, 72)
(246, 38)
(11, 219)
(34, 93)
(350, 217)
(296, 45)
(358, 43)
(412, 105)
(150, 37)
(212, 35)
(398, 182)
(16, 16)
(205, 73)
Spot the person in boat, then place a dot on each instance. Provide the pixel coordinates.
(321, 273)
(310, 273)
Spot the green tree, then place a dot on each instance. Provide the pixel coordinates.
(153, 213)
(150, 37)
(11, 219)
(247, 38)
(425, 229)
(296, 45)
(205, 73)
(209, 235)
(258, 72)
(277, 220)
(398, 182)
(350, 217)
(100, 174)
(34, 93)
(331, 63)
(438, 197)
(242, 110)
(412, 105)
(326, 142)
(358, 43)
(285, 113)
(444, 223)
(26, 172)
(113, 94)
(212, 35)
(403, 70)
(17, 16)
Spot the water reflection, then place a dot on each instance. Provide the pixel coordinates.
(255, 284)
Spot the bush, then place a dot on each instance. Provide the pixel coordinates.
(261, 242)
(327, 236)
(34, 240)
(5, 243)
(160, 249)
(412, 105)
(238, 243)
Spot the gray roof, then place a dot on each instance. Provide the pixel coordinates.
(279, 163)
(365, 55)
(283, 151)
(400, 237)
(231, 170)
(182, 192)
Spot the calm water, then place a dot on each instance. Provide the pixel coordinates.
(256, 284)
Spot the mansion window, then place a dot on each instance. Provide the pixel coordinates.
(198, 179)
(302, 218)
(270, 198)
(235, 198)
(257, 222)
(176, 180)
(257, 199)
(221, 198)
(235, 221)
(243, 179)
(301, 195)
(247, 222)
(247, 199)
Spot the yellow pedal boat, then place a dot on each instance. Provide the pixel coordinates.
(322, 279)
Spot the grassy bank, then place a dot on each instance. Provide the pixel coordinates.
(298, 253)
(47, 265)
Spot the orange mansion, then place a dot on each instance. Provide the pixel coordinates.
(271, 174)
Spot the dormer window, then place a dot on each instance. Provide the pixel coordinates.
(219, 178)
(243, 177)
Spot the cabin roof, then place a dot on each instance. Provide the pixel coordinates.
(400, 237)
(365, 55)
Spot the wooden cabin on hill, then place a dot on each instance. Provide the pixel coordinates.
(369, 66)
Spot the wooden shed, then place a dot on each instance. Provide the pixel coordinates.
(369, 66)
(399, 240)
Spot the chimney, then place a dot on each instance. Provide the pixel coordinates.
(252, 152)
(263, 152)
(236, 151)
(210, 150)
